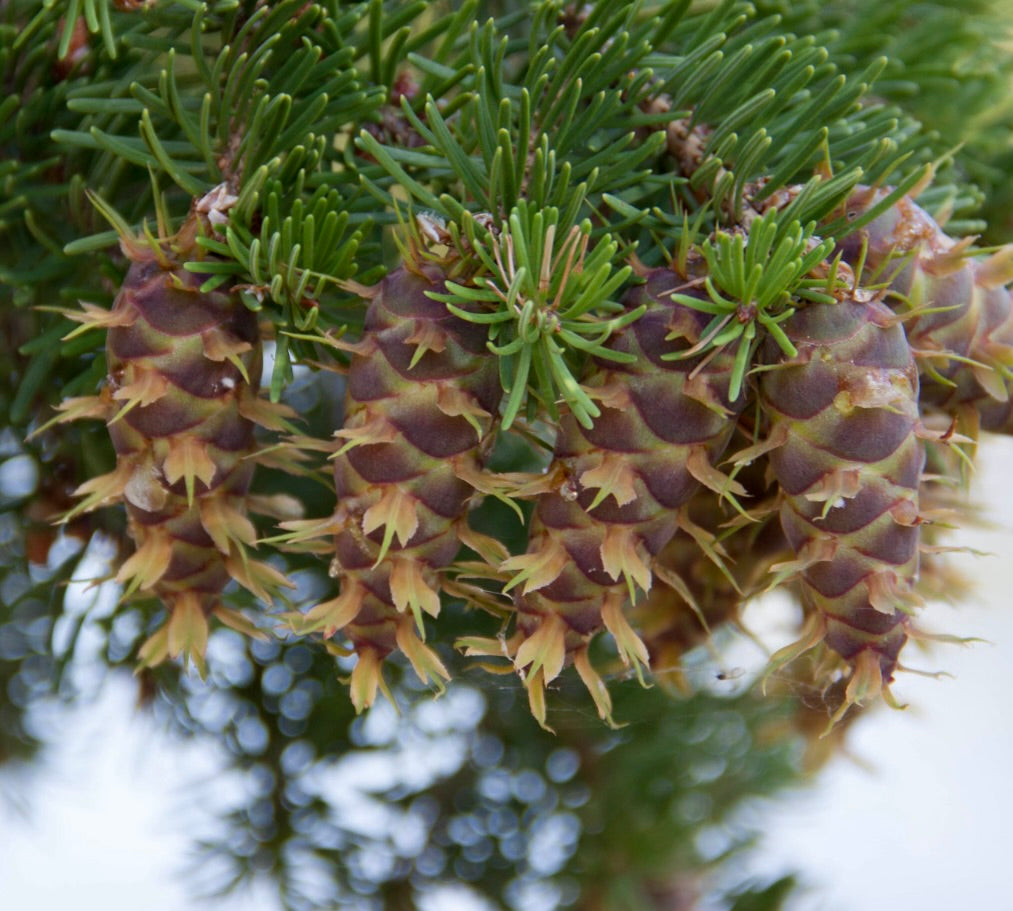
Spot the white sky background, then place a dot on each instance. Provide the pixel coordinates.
(100, 826)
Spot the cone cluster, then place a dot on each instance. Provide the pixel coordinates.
(655, 522)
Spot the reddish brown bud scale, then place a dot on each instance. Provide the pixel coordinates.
(849, 465)
(965, 337)
(663, 424)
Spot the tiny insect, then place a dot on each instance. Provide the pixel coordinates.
(732, 674)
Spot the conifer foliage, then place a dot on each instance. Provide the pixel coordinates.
(584, 324)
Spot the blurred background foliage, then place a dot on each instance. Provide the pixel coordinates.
(465, 789)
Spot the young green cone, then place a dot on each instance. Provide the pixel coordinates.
(845, 450)
(421, 394)
(613, 495)
(181, 404)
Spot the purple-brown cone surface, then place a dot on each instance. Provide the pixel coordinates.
(421, 394)
(844, 419)
(616, 489)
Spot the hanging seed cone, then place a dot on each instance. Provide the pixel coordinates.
(615, 491)
(180, 403)
(421, 392)
(845, 450)
(965, 342)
